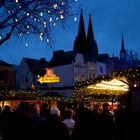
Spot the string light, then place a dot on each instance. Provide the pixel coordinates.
(37, 16)
(50, 19)
(45, 24)
(0, 37)
(61, 17)
(41, 34)
(75, 18)
(26, 44)
(41, 38)
(47, 40)
(62, 3)
(55, 6)
(62, 11)
(27, 14)
(16, 20)
(41, 14)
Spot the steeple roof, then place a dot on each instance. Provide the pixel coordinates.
(122, 44)
(122, 51)
(80, 41)
(81, 30)
(90, 34)
(92, 48)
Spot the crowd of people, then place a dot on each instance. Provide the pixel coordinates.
(86, 121)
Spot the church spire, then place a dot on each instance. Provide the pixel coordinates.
(122, 51)
(80, 41)
(81, 30)
(90, 29)
(122, 46)
(92, 48)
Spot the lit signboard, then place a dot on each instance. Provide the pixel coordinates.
(49, 77)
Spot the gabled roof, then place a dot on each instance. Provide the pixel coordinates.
(2, 63)
(62, 58)
(32, 63)
(36, 65)
(103, 57)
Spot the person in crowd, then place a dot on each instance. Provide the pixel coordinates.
(84, 123)
(5, 119)
(22, 125)
(106, 123)
(53, 128)
(45, 110)
(68, 120)
(121, 122)
(0, 109)
(35, 114)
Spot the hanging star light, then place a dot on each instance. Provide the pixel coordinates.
(26, 44)
(75, 18)
(33, 17)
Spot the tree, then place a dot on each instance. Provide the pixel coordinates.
(20, 17)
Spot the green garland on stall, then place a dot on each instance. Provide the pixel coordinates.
(19, 94)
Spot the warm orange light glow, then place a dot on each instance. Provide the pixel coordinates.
(111, 85)
(33, 86)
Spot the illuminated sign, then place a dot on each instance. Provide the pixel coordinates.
(49, 77)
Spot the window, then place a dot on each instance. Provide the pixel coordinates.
(101, 69)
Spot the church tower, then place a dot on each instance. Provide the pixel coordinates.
(122, 51)
(80, 41)
(92, 48)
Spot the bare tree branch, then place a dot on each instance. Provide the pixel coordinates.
(32, 16)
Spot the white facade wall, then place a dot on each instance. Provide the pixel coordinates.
(100, 69)
(24, 76)
(90, 70)
(66, 74)
(69, 74)
(79, 69)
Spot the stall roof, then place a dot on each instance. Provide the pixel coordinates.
(113, 84)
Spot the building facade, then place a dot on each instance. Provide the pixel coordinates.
(7, 75)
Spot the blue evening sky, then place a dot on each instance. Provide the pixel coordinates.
(110, 19)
